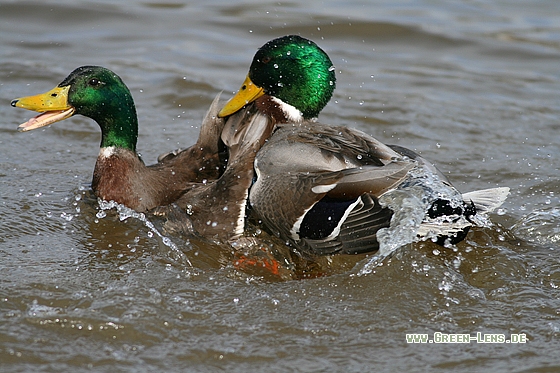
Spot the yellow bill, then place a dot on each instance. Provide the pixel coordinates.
(52, 104)
(248, 93)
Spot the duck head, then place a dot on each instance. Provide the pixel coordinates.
(290, 73)
(92, 91)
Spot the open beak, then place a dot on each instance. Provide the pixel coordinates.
(248, 93)
(52, 104)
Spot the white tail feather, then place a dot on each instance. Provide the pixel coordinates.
(487, 200)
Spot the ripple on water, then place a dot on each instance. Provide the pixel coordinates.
(541, 226)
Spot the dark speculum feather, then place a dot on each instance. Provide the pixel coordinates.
(322, 219)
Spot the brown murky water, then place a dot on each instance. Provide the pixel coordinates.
(473, 86)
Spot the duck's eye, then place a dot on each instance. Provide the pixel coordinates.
(94, 82)
(265, 59)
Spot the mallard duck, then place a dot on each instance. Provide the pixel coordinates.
(120, 174)
(331, 189)
(195, 178)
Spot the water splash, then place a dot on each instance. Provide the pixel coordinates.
(409, 210)
(126, 213)
(410, 204)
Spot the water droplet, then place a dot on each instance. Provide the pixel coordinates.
(457, 263)
(66, 216)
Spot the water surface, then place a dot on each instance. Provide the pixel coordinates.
(471, 85)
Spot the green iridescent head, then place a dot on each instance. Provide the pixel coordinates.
(292, 69)
(94, 92)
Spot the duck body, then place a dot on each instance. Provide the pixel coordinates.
(332, 189)
(121, 176)
(319, 187)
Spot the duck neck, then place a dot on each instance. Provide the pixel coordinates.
(119, 128)
(278, 110)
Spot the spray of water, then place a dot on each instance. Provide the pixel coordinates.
(126, 213)
(410, 204)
